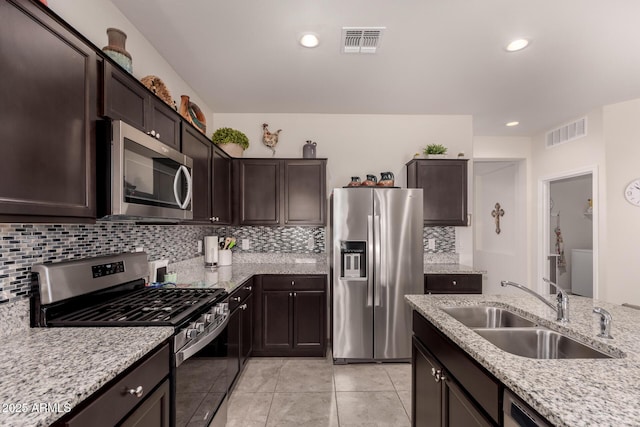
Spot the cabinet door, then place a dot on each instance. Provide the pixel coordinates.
(309, 319)
(199, 149)
(426, 397)
(164, 121)
(246, 335)
(259, 192)
(444, 183)
(459, 410)
(276, 320)
(124, 99)
(304, 192)
(48, 117)
(221, 202)
(154, 412)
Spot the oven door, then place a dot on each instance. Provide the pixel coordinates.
(201, 384)
(149, 179)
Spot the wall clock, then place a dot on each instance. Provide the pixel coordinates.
(632, 192)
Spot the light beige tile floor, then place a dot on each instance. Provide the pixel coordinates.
(314, 392)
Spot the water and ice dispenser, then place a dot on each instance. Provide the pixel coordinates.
(353, 260)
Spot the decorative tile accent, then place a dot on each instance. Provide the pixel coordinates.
(445, 239)
(277, 239)
(22, 245)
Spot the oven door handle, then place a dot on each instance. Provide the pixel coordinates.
(203, 341)
(182, 204)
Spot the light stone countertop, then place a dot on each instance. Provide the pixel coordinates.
(193, 274)
(450, 269)
(568, 392)
(61, 367)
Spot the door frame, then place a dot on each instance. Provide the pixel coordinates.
(544, 223)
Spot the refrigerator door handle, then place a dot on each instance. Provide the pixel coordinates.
(377, 259)
(371, 260)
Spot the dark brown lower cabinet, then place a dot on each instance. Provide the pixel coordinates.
(154, 412)
(239, 329)
(246, 331)
(291, 316)
(449, 388)
(453, 283)
(116, 405)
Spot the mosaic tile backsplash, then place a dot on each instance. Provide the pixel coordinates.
(22, 245)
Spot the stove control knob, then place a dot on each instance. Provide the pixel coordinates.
(208, 317)
(192, 333)
(221, 309)
(199, 327)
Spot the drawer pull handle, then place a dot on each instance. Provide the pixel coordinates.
(248, 288)
(137, 392)
(454, 283)
(236, 299)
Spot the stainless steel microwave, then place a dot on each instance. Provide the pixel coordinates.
(145, 179)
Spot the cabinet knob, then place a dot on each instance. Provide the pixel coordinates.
(293, 282)
(290, 294)
(243, 306)
(152, 133)
(454, 282)
(157, 135)
(295, 294)
(137, 392)
(247, 288)
(437, 374)
(236, 299)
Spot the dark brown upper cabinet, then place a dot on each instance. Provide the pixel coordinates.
(281, 191)
(444, 185)
(304, 192)
(48, 112)
(126, 99)
(211, 176)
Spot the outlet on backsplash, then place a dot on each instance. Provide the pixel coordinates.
(432, 244)
(311, 243)
(246, 244)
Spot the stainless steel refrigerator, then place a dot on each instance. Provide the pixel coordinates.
(376, 259)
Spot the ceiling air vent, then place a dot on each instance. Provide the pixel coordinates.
(361, 39)
(568, 132)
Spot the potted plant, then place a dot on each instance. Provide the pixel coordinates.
(435, 151)
(232, 141)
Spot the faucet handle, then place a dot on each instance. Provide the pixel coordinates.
(605, 322)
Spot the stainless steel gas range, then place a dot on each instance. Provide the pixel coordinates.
(109, 291)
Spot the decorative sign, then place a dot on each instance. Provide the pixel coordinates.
(496, 214)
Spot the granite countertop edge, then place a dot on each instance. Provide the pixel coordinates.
(569, 392)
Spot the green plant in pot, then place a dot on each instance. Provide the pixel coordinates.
(435, 151)
(232, 141)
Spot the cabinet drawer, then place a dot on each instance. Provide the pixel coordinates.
(240, 294)
(478, 383)
(293, 282)
(453, 283)
(115, 402)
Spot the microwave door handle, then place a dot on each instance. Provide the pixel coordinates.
(182, 169)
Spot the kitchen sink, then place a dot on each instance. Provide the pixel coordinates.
(480, 316)
(539, 343)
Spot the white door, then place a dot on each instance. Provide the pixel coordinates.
(503, 255)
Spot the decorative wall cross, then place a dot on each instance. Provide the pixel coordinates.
(497, 213)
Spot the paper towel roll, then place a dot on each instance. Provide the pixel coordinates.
(210, 250)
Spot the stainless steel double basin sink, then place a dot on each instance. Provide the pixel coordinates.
(517, 335)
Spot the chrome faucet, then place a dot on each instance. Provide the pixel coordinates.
(562, 298)
(605, 322)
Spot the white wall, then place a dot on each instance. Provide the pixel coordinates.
(622, 135)
(92, 18)
(357, 145)
(570, 198)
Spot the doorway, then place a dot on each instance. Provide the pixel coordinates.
(568, 219)
(500, 248)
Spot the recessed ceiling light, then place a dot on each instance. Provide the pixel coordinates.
(309, 40)
(517, 44)
(511, 124)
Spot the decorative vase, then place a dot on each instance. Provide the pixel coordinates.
(386, 179)
(436, 156)
(309, 150)
(116, 49)
(234, 150)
